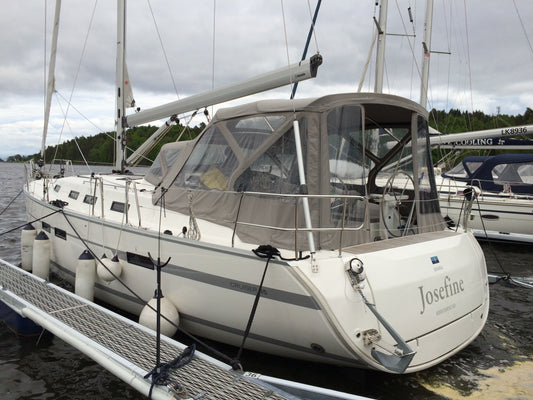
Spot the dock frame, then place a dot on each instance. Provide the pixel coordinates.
(127, 349)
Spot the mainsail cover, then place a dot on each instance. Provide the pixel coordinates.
(128, 90)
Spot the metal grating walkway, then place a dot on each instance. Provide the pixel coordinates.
(201, 378)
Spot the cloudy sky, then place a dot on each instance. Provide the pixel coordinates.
(179, 48)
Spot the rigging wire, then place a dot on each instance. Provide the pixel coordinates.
(213, 49)
(163, 49)
(286, 43)
(191, 115)
(415, 63)
(469, 64)
(313, 19)
(65, 122)
(45, 53)
(523, 28)
(368, 59)
(77, 74)
(311, 33)
(80, 113)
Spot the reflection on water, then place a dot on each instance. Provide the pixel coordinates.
(498, 364)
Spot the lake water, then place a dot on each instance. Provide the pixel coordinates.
(497, 365)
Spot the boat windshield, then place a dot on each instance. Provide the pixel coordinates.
(514, 173)
(457, 172)
(231, 155)
(464, 169)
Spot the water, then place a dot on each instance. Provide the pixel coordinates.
(497, 365)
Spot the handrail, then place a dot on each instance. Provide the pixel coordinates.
(137, 202)
(296, 229)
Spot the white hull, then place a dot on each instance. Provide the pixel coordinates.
(438, 308)
(502, 216)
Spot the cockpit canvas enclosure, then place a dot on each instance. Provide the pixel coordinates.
(499, 173)
(360, 152)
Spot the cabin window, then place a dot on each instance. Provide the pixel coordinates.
(426, 176)
(275, 170)
(525, 171)
(457, 172)
(347, 163)
(73, 194)
(473, 166)
(348, 166)
(88, 199)
(46, 226)
(250, 133)
(222, 147)
(210, 164)
(141, 261)
(60, 233)
(512, 173)
(164, 160)
(263, 123)
(57, 188)
(118, 206)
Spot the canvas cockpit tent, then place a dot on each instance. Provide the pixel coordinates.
(243, 172)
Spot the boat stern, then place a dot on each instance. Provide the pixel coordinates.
(427, 305)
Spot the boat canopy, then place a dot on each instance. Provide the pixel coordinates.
(242, 171)
(500, 173)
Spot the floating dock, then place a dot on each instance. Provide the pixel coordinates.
(127, 349)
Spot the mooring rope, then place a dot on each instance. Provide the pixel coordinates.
(11, 202)
(30, 222)
(160, 374)
(190, 336)
(507, 275)
(268, 252)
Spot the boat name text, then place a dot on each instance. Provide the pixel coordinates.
(244, 287)
(448, 289)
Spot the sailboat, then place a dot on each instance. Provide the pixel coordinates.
(501, 185)
(305, 228)
(492, 195)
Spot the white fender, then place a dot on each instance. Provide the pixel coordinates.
(41, 255)
(111, 270)
(85, 276)
(27, 236)
(148, 317)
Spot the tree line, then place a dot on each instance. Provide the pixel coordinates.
(100, 148)
(454, 121)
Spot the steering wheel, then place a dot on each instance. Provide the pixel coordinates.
(399, 194)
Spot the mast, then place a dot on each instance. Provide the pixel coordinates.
(50, 86)
(427, 50)
(120, 141)
(380, 57)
